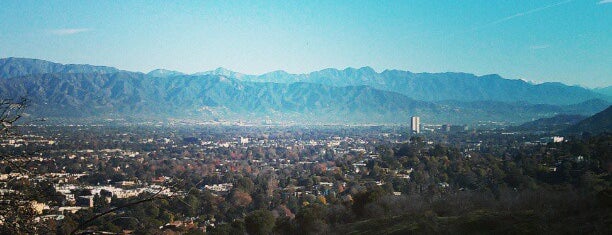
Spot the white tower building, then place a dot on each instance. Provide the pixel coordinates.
(415, 124)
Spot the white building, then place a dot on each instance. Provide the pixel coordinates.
(415, 123)
(552, 139)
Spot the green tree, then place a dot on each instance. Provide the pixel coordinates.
(259, 222)
(311, 219)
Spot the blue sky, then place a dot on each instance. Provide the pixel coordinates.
(565, 41)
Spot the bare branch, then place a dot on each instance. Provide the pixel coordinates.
(155, 196)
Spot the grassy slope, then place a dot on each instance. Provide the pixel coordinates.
(483, 222)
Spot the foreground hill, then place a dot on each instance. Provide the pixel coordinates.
(598, 123)
(481, 222)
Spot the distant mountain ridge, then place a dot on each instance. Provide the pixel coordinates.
(164, 73)
(433, 86)
(17, 67)
(218, 97)
(224, 72)
(418, 86)
(211, 96)
(96, 91)
(442, 86)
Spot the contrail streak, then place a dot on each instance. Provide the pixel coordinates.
(521, 14)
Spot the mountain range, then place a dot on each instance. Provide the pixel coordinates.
(326, 96)
(433, 86)
(443, 86)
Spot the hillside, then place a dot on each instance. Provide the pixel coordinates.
(598, 123)
(477, 222)
(604, 90)
(556, 123)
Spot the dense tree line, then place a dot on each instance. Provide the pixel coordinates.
(503, 185)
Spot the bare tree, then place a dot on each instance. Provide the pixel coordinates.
(18, 187)
(10, 111)
(82, 228)
(17, 197)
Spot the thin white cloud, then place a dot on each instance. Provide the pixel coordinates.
(521, 14)
(539, 47)
(604, 1)
(69, 31)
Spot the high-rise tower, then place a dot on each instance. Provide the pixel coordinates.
(415, 122)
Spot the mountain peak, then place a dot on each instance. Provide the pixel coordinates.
(367, 69)
(279, 72)
(222, 71)
(164, 73)
(17, 67)
(364, 69)
(491, 76)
